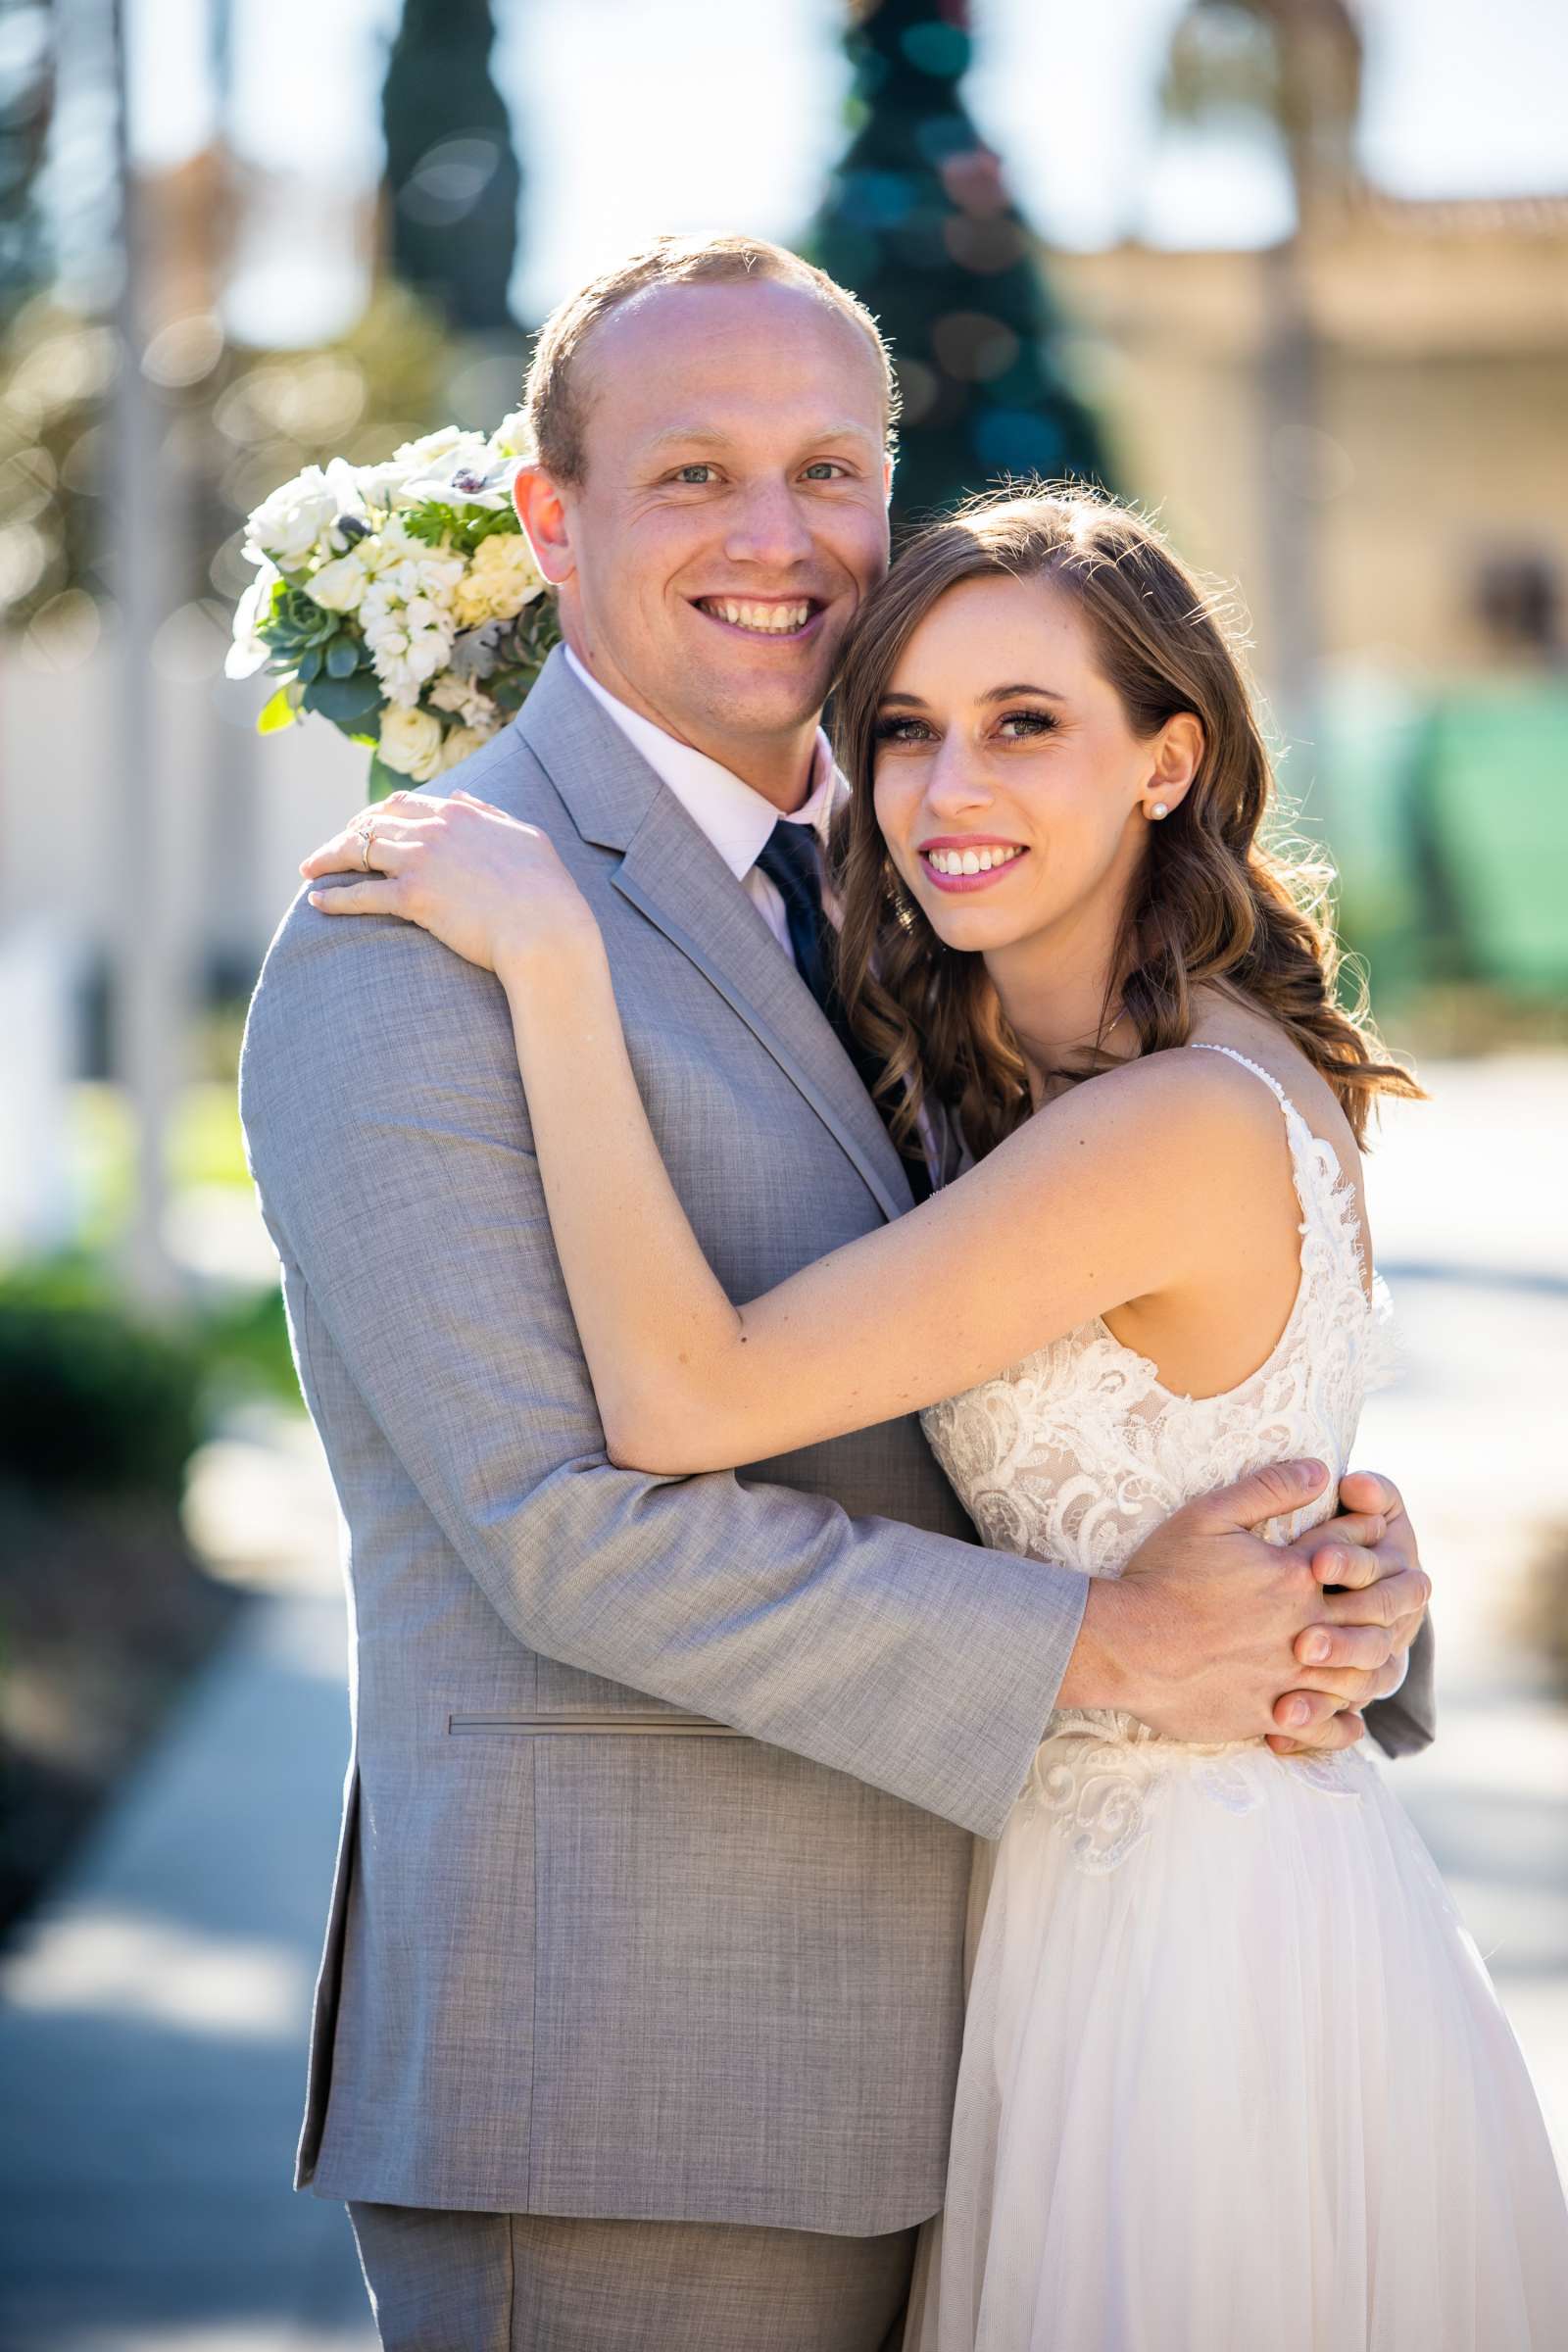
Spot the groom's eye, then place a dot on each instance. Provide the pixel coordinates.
(824, 470)
(695, 474)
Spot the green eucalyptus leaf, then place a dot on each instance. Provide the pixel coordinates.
(346, 701)
(342, 656)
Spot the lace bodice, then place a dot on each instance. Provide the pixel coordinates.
(1079, 1452)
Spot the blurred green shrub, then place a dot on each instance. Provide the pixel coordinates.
(244, 1352)
(95, 1401)
(91, 1401)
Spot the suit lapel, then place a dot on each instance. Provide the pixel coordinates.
(675, 878)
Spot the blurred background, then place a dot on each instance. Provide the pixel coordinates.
(1292, 272)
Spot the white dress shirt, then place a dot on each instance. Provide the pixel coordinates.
(737, 820)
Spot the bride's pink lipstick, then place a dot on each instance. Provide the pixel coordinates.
(1012, 852)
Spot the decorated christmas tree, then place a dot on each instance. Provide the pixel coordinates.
(918, 223)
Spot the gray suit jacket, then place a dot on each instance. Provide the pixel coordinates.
(656, 1833)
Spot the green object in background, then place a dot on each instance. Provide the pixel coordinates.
(917, 222)
(1360, 800)
(91, 1401)
(1493, 786)
(452, 178)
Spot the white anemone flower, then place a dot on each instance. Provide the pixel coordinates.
(513, 438)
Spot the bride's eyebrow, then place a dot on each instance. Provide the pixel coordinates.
(993, 693)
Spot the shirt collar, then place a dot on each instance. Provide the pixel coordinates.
(737, 820)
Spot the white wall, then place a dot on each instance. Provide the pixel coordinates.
(245, 809)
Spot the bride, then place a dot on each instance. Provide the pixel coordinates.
(1190, 2117)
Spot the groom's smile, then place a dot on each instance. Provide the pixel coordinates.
(785, 617)
(730, 517)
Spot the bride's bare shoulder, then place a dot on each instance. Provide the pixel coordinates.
(1177, 1100)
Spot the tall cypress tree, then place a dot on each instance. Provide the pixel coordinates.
(918, 223)
(452, 178)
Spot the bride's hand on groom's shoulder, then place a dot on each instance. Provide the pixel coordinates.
(489, 887)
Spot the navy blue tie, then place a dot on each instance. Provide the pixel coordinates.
(789, 859)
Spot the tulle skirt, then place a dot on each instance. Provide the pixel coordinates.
(1233, 2079)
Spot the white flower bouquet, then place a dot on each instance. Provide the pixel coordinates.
(401, 600)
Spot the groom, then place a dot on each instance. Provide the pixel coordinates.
(639, 2016)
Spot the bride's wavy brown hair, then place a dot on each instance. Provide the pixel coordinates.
(1212, 904)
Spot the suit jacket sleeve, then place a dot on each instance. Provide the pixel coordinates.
(1404, 1723)
(387, 1132)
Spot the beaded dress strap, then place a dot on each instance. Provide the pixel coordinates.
(1257, 1070)
(1333, 1194)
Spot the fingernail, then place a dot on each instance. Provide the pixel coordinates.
(1298, 1711)
(314, 897)
(1312, 1470)
(1316, 1648)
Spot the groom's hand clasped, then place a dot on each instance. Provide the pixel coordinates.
(1366, 1560)
(1212, 1634)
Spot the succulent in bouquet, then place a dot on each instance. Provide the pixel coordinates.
(401, 600)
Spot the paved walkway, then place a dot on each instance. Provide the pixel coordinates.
(1465, 1199)
(151, 2040)
(150, 2044)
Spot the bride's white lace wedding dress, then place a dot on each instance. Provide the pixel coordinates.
(1234, 2075)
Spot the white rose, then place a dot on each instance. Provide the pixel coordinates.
(459, 744)
(287, 526)
(339, 585)
(343, 480)
(411, 742)
(248, 652)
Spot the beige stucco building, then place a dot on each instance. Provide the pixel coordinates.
(1420, 447)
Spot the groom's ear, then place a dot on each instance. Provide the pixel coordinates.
(542, 514)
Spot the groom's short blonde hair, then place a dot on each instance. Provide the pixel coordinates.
(552, 403)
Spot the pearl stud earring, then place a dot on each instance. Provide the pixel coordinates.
(1160, 810)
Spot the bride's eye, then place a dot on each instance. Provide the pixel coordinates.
(901, 730)
(1018, 725)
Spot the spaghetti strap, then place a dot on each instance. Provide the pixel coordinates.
(1257, 1068)
(1322, 1185)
